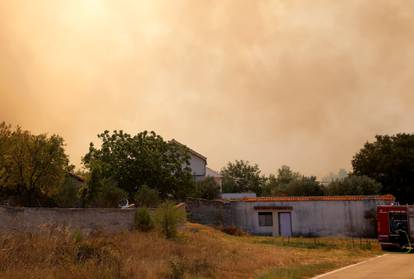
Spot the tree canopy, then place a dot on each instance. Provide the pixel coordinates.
(32, 167)
(390, 161)
(241, 176)
(353, 185)
(207, 189)
(143, 159)
(290, 183)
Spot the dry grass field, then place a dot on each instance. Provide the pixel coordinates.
(198, 252)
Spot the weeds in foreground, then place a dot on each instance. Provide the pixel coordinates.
(180, 267)
(58, 249)
(143, 220)
(198, 252)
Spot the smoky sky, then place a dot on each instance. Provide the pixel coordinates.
(301, 83)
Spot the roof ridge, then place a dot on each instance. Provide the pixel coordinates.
(190, 150)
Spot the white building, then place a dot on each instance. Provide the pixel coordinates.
(198, 166)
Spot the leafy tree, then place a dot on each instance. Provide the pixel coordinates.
(141, 159)
(68, 195)
(290, 183)
(304, 186)
(353, 185)
(207, 189)
(277, 185)
(147, 197)
(241, 176)
(108, 194)
(32, 167)
(390, 161)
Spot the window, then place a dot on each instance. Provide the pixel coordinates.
(265, 219)
(398, 221)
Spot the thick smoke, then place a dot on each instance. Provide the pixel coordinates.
(303, 83)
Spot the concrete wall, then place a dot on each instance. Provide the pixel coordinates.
(209, 212)
(309, 218)
(236, 196)
(25, 219)
(312, 218)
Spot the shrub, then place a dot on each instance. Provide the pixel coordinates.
(232, 230)
(143, 220)
(207, 189)
(109, 194)
(168, 217)
(69, 193)
(177, 269)
(147, 197)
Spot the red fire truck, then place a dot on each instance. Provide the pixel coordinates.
(395, 226)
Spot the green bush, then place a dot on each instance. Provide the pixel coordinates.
(207, 189)
(109, 194)
(68, 194)
(143, 220)
(147, 197)
(168, 217)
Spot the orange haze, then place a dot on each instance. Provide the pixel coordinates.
(302, 83)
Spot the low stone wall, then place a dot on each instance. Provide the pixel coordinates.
(209, 212)
(28, 219)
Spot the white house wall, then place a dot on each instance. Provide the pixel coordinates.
(312, 218)
(197, 165)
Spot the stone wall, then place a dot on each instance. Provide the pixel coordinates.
(208, 212)
(25, 219)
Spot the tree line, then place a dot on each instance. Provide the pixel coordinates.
(146, 169)
(242, 176)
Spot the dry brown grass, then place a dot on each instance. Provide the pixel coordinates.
(198, 252)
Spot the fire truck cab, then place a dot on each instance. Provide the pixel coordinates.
(395, 226)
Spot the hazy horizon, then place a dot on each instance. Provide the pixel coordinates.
(297, 83)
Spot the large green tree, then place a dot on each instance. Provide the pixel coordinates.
(32, 167)
(290, 183)
(142, 159)
(353, 185)
(241, 176)
(390, 161)
(276, 185)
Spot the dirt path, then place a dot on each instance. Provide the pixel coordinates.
(388, 266)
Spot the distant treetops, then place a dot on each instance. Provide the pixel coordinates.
(385, 166)
(146, 169)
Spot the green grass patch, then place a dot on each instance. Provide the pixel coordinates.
(318, 243)
(297, 243)
(298, 271)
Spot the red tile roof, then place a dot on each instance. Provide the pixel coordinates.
(320, 198)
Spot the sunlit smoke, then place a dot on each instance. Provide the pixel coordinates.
(301, 83)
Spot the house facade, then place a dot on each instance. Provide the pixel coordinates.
(294, 216)
(198, 166)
